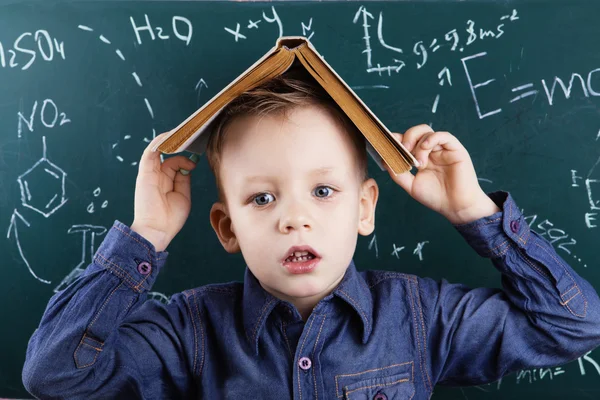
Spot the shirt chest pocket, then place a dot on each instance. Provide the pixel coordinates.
(394, 382)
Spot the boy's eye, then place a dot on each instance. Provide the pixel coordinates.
(323, 191)
(262, 199)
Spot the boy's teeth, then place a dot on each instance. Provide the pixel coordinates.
(300, 259)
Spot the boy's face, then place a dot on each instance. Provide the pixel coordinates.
(292, 182)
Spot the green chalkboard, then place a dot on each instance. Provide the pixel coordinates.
(84, 85)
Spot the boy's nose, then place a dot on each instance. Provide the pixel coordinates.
(294, 218)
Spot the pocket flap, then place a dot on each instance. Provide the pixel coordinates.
(369, 382)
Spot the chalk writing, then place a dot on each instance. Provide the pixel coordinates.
(274, 19)
(397, 250)
(27, 46)
(526, 90)
(422, 48)
(419, 249)
(586, 357)
(180, 26)
(306, 29)
(373, 243)
(49, 116)
(558, 237)
(538, 374)
(592, 187)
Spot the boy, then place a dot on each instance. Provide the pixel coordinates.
(305, 324)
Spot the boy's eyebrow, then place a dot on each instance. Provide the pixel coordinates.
(315, 172)
(322, 171)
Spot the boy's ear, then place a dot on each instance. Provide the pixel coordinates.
(367, 203)
(221, 223)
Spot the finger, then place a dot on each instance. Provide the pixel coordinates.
(150, 160)
(404, 180)
(437, 147)
(398, 136)
(182, 184)
(418, 149)
(194, 157)
(412, 136)
(172, 165)
(436, 140)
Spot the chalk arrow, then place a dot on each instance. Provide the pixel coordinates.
(13, 227)
(446, 71)
(200, 83)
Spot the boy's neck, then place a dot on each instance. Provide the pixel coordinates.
(304, 305)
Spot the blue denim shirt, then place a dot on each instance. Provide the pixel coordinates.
(378, 335)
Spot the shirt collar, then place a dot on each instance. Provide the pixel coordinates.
(353, 289)
(258, 304)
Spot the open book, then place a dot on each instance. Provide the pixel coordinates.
(192, 134)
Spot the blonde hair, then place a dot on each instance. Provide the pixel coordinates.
(278, 96)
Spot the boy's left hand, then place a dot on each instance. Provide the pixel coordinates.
(446, 181)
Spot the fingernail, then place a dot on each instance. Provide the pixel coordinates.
(194, 157)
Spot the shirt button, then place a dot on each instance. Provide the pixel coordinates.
(380, 396)
(514, 226)
(304, 363)
(144, 268)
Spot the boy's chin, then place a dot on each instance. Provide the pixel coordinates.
(304, 288)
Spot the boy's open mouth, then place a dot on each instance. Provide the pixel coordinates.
(300, 256)
(301, 260)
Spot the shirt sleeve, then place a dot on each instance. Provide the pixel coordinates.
(102, 338)
(545, 314)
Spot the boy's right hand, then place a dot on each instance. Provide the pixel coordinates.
(162, 196)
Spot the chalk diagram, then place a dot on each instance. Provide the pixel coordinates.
(43, 169)
(42, 189)
(591, 186)
(138, 81)
(45, 202)
(160, 297)
(88, 237)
